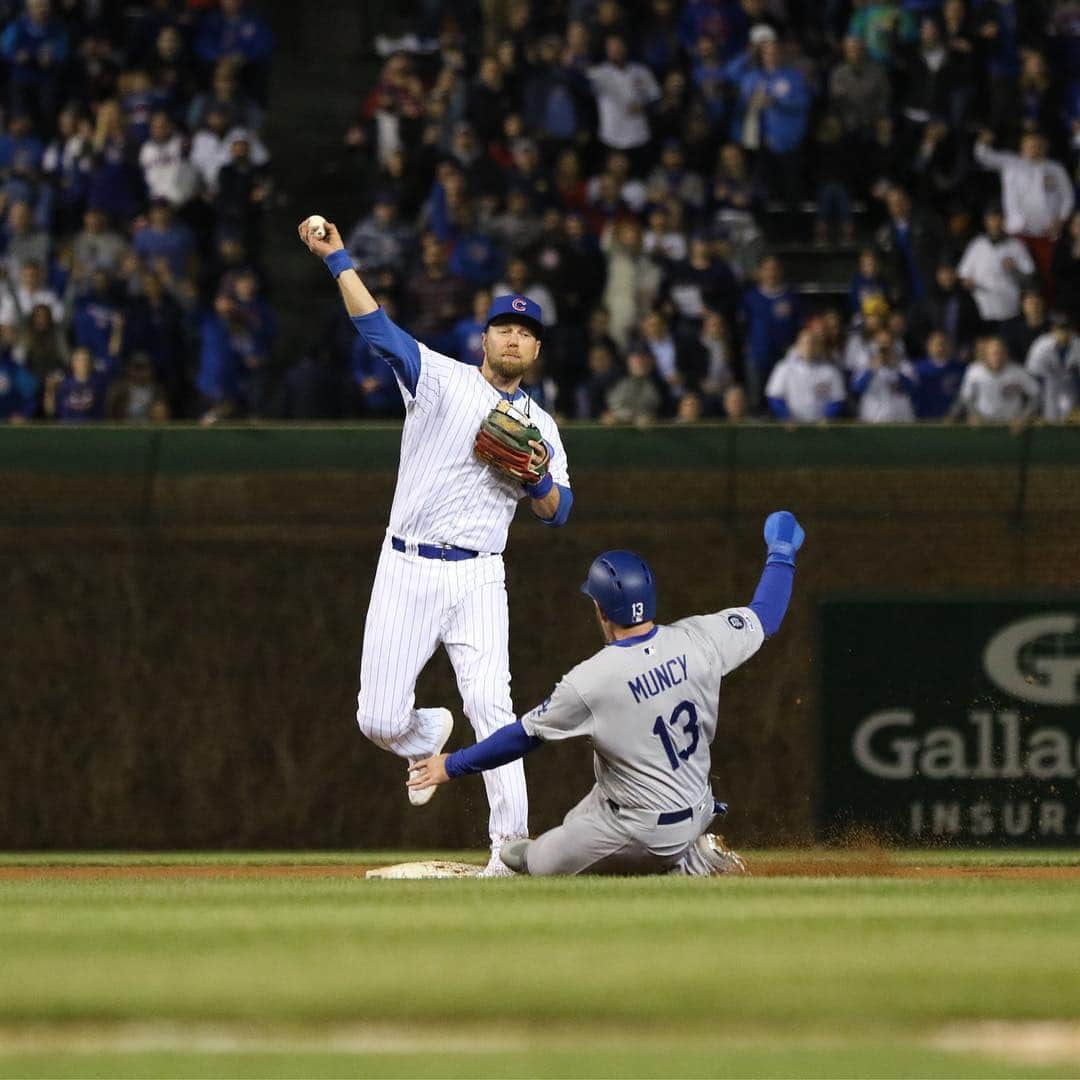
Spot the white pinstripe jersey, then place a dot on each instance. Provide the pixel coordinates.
(444, 494)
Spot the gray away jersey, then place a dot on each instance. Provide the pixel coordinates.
(650, 708)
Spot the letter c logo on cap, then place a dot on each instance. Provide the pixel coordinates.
(518, 303)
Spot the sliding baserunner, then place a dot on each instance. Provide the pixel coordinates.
(648, 701)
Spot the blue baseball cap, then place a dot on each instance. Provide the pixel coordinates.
(511, 308)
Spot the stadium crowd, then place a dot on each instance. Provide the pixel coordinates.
(648, 172)
(132, 185)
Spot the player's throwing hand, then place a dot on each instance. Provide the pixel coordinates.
(330, 242)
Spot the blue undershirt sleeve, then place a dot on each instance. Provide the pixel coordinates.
(397, 348)
(507, 744)
(860, 382)
(778, 407)
(772, 596)
(566, 500)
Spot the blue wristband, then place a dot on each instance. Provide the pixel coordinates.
(338, 261)
(541, 487)
(782, 555)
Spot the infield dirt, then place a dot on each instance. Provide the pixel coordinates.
(811, 865)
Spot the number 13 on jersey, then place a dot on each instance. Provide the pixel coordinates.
(661, 731)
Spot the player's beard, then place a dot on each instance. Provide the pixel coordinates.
(508, 366)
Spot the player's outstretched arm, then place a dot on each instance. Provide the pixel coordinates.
(331, 249)
(501, 747)
(399, 349)
(563, 715)
(783, 538)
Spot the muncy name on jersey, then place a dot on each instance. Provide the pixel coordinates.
(658, 679)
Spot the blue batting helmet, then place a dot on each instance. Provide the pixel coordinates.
(623, 587)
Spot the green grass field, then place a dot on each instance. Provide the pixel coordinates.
(206, 973)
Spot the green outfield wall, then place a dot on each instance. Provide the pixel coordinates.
(183, 611)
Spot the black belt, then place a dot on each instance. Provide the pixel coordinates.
(671, 817)
(446, 552)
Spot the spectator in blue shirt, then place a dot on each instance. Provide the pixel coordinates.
(940, 374)
(97, 324)
(236, 337)
(382, 241)
(780, 94)
(778, 98)
(218, 377)
(724, 21)
(555, 94)
(236, 33)
(475, 257)
(739, 66)
(18, 391)
(708, 75)
(139, 104)
(35, 47)
(20, 142)
(78, 397)
(114, 185)
(253, 313)
(163, 239)
(772, 311)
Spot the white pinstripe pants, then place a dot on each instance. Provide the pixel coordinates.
(416, 605)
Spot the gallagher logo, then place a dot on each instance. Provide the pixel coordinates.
(1037, 659)
(519, 303)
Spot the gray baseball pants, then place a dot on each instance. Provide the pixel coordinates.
(594, 838)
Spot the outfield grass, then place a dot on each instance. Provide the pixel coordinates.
(335, 976)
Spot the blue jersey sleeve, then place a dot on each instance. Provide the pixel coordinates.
(507, 744)
(772, 596)
(398, 349)
(778, 407)
(566, 501)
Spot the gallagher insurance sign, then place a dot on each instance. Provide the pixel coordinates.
(952, 719)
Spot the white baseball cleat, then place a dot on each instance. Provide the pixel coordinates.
(496, 868)
(513, 848)
(719, 858)
(422, 796)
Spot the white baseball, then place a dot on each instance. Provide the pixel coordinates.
(317, 226)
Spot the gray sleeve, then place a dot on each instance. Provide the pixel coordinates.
(734, 635)
(563, 715)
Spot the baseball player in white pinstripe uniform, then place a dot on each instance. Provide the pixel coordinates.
(440, 577)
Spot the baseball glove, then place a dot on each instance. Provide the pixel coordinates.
(503, 442)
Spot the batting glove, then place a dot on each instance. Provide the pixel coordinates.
(783, 537)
